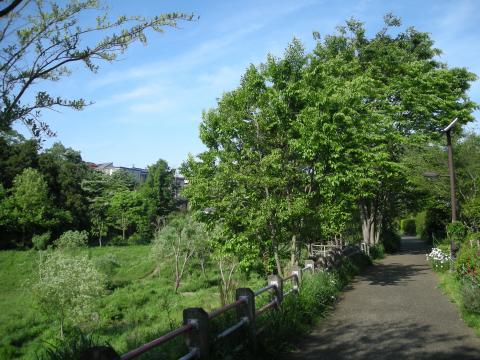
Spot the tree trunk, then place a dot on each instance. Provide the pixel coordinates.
(293, 250)
(368, 222)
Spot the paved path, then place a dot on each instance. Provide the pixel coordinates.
(393, 311)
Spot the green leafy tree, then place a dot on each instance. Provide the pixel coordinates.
(126, 210)
(179, 240)
(30, 204)
(64, 171)
(305, 141)
(158, 191)
(16, 154)
(67, 288)
(43, 40)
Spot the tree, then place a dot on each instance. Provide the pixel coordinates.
(158, 191)
(16, 154)
(30, 204)
(41, 40)
(64, 171)
(126, 209)
(67, 287)
(179, 240)
(306, 141)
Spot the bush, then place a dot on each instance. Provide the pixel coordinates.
(439, 260)
(409, 227)
(391, 241)
(77, 346)
(456, 231)
(137, 239)
(107, 264)
(435, 221)
(40, 242)
(420, 223)
(66, 287)
(377, 251)
(468, 262)
(72, 240)
(470, 292)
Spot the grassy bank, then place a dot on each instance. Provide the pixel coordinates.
(139, 305)
(452, 288)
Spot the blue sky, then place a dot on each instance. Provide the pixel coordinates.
(148, 104)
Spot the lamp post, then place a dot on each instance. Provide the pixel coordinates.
(451, 169)
(451, 173)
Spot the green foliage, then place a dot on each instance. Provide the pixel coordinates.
(71, 240)
(66, 287)
(42, 40)
(391, 240)
(420, 223)
(467, 261)
(126, 211)
(452, 286)
(75, 346)
(306, 139)
(456, 231)
(108, 264)
(179, 241)
(409, 227)
(40, 242)
(377, 251)
(470, 292)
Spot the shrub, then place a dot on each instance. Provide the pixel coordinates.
(456, 231)
(468, 262)
(391, 241)
(40, 242)
(72, 240)
(66, 287)
(439, 260)
(377, 251)
(409, 227)
(435, 221)
(420, 223)
(77, 346)
(470, 292)
(107, 264)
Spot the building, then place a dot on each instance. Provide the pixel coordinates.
(108, 168)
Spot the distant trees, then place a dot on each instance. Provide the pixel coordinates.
(54, 191)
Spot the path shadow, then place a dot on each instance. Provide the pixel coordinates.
(413, 246)
(392, 274)
(384, 341)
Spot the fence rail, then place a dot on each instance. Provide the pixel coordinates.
(197, 321)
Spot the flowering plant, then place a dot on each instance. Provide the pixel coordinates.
(439, 260)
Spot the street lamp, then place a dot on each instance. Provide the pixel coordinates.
(451, 169)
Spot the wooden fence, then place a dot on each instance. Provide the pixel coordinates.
(196, 321)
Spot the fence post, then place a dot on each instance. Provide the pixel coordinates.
(278, 282)
(247, 310)
(198, 337)
(297, 277)
(310, 264)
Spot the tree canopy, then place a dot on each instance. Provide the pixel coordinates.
(310, 142)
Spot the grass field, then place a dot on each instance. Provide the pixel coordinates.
(140, 304)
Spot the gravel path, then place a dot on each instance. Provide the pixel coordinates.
(393, 311)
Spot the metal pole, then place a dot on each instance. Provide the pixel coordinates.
(451, 172)
(453, 198)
